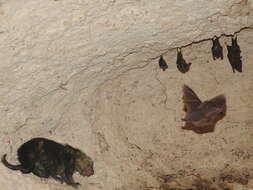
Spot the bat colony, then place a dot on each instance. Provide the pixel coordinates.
(201, 117)
(234, 56)
(46, 158)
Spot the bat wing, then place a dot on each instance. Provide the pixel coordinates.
(190, 99)
(218, 101)
(201, 117)
(231, 57)
(205, 129)
(199, 129)
(216, 108)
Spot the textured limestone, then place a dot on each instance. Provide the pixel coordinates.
(86, 73)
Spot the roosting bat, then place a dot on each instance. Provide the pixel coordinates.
(234, 56)
(217, 50)
(162, 63)
(182, 66)
(46, 158)
(201, 117)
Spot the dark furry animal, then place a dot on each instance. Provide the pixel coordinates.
(201, 117)
(162, 63)
(234, 55)
(182, 66)
(217, 50)
(46, 158)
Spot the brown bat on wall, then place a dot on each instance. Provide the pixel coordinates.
(234, 55)
(182, 66)
(162, 63)
(217, 50)
(201, 117)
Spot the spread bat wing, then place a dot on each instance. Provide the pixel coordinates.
(199, 130)
(218, 101)
(190, 99)
(217, 108)
(201, 117)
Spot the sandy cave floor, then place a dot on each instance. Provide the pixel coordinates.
(130, 126)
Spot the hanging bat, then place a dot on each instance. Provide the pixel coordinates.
(234, 55)
(46, 158)
(217, 50)
(201, 117)
(182, 66)
(162, 63)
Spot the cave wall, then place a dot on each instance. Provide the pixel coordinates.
(86, 73)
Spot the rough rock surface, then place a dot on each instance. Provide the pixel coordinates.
(86, 73)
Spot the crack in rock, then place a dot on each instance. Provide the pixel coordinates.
(204, 40)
